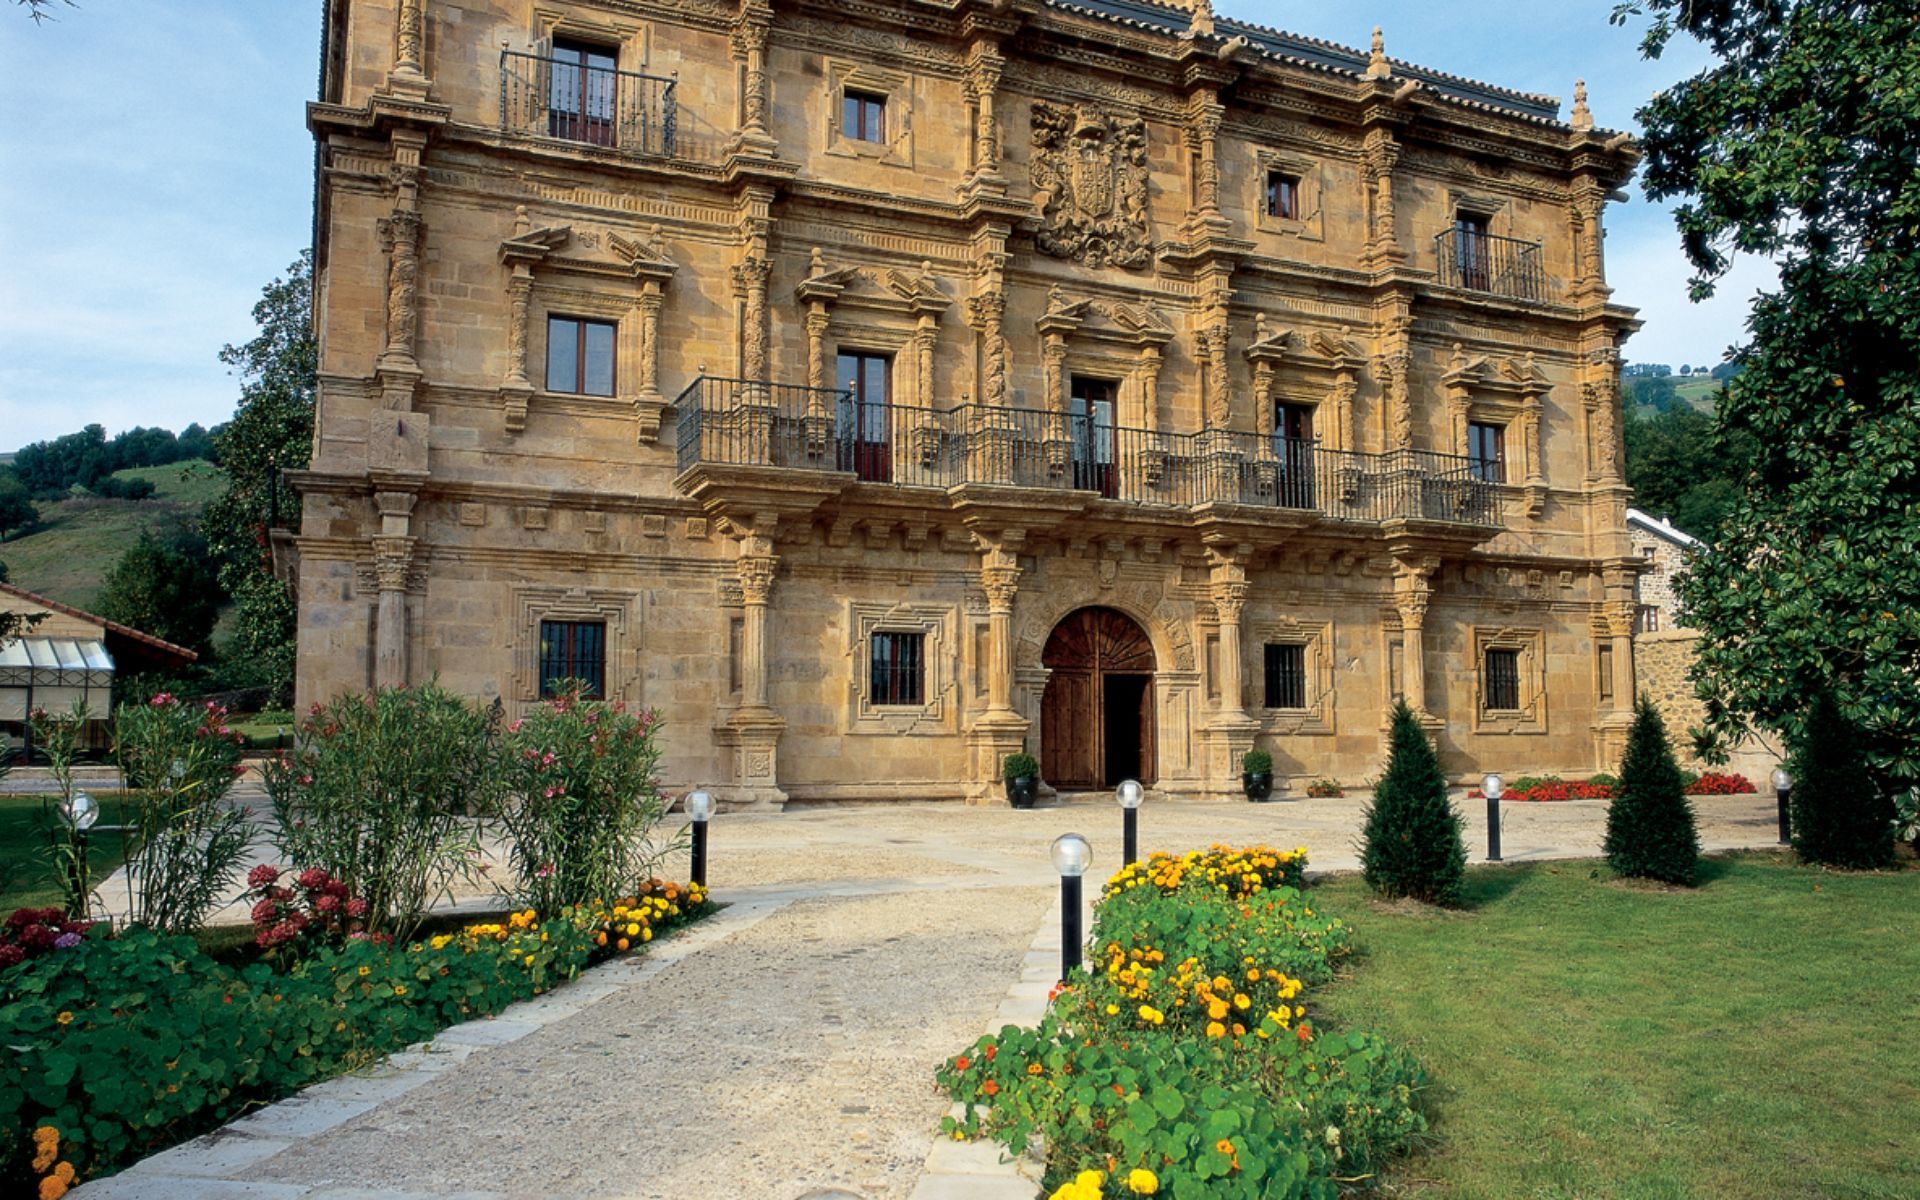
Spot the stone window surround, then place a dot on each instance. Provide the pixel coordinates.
(617, 610)
(552, 299)
(630, 40)
(1310, 225)
(936, 623)
(893, 87)
(1318, 639)
(1492, 209)
(1530, 645)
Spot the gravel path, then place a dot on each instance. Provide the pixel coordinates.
(794, 1055)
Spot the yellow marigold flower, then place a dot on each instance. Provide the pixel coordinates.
(1216, 1029)
(52, 1188)
(1113, 1010)
(1142, 1182)
(1217, 1009)
(365, 971)
(529, 960)
(65, 1017)
(1091, 1179)
(1242, 1001)
(621, 945)
(399, 989)
(646, 935)
(633, 930)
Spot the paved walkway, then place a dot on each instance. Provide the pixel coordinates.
(782, 1049)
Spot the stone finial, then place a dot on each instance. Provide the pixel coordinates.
(1582, 115)
(1201, 20)
(1459, 357)
(1260, 327)
(522, 224)
(656, 241)
(1377, 65)
(819, 262)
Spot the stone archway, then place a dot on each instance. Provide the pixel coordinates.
(1096, 715)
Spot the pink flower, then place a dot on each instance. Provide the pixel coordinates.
(357, 908)
(262, 876)
(515, 724)
(314, 878)
(545, 871)
(327, 903)
(265, 911)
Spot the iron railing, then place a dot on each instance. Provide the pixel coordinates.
(746, 423)
(1481, 262)
(547, 97)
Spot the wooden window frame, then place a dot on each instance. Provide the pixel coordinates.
(1487, 470)
(580, 325)
(576, 661)
(1283, 195)
(864, 103)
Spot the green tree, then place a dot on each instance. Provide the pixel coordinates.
(1801, 142)
(1679, 467)
(1410, 844)
(17, 513)
(271, 432)
(1839, 816)
(1650, 829)
(165, 587)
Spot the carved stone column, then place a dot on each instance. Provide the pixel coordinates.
(1203, 139)
(1413, 591)
(1230, 729)
(756, 589)
(1059, 445)
(1396, 371)
(1000, 730)
(393, 551)
(1585, 209)
(984, 68)
(926, 336)
(408, 76)
(1345, 390)
(1603, 416)
(749, 44)
(750, 282)
(751, 732)
(1151, 360)
(400, 238)
(1230, 604)
(1381, 152)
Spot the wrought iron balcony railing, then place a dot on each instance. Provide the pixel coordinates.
(1481, 262)
(738, 422)
(548, 97)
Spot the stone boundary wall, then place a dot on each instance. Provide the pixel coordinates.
(1661, 661)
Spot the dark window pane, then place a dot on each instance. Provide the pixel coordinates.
(1487, 452)
(1502, 681)
(1286, 672)
(573, 650)
(1283, 196)
(563, 355)
(895, 668)
(598, 379)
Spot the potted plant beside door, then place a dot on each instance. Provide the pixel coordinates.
(1256, 775)
(1022, 775)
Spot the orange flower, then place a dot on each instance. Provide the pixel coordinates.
(962, 1063)
(1035, 1069)
(991, 1088)
(1223, 1146)
(52, 1188)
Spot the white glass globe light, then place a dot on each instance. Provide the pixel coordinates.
(1071, 854)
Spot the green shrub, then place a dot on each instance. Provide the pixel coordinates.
(1650, 830)
(1603, 780)
(1838, 816)
(580, 801)
(383, 791)
(189, 844)
(1410, 843)
(1019, 766)
(1257, 762)
(60, 737)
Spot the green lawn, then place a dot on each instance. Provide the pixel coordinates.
(80, 539)
(1757, 1037)
(25, 880)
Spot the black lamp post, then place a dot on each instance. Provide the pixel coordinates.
(1071, 854)
(700, 808)
(1494, 787)
(1130, 794)
(1782, 793)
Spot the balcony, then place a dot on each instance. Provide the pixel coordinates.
(568, 101)
(1500, 266)
(747, 424)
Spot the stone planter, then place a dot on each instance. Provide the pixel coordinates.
(1021, 791)
(1258, 786)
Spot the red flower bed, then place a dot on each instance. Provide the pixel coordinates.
(1715, 784)
(31, 932)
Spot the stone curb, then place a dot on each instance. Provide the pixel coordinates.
(210, 1166)
(980, 1170)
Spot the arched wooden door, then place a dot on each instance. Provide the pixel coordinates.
(1096, 715)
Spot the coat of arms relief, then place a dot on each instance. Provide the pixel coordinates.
(1089, 173)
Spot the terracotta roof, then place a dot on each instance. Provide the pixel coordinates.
(114, 627)
(1161, 16)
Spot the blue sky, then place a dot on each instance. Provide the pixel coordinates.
(155, 171)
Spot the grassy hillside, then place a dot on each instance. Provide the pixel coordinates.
(80, 539)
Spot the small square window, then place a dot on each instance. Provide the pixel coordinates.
(1286, 676)
(896, 669)
(1501, 685)
(1283, 196)
(1487, 452)
(863, 116)
(580, 356)
(573, 650)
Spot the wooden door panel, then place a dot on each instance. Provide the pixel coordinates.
(1067, 725)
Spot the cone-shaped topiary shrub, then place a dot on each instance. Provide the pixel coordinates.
(1839, 817)
(1411, 842)
(1650, 831)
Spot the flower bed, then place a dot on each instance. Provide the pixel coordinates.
(122, 1046)
(1185, 1061)
(1324, 789)
(1546, 788)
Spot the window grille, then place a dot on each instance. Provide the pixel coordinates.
(896, 669)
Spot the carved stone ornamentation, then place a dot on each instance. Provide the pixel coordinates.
(1089, 174)
(400, 233)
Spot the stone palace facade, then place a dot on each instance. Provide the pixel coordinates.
(877, 389)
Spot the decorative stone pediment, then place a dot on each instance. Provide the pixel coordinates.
(528, 245)
(1111, 320)
(885, 288)
(647, 259)
(1516, 378)
(1313, 349)
(1089, 175)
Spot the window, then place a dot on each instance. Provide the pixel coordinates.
(1283, 196)
(1471, 250)
(895, 668)
(865, 426)
(1647, 617)
(581, 92)
(863, 116)
(1093, 436)
(1286, 676)
(1501, 686)
(580, 356)
(1293, 431)
(573, 650)
(1487, 452)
